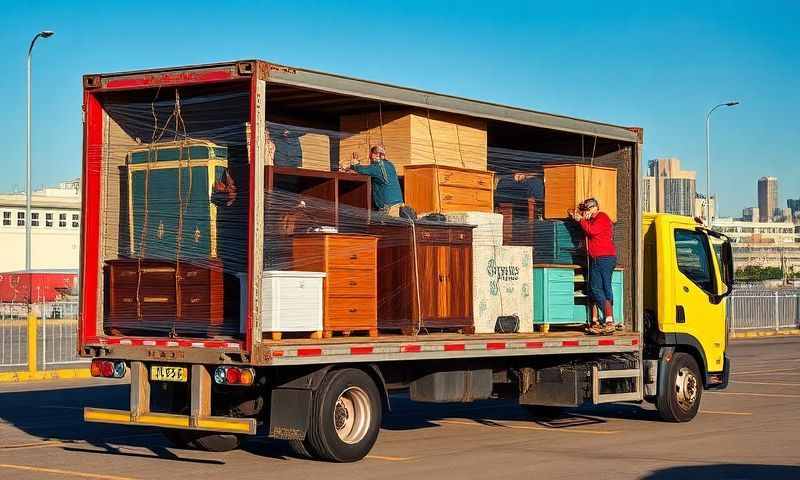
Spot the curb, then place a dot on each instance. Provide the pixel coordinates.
(789, 332)
(63, 374)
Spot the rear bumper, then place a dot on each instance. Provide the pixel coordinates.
(246, 426)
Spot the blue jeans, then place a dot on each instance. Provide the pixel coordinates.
(600, 270)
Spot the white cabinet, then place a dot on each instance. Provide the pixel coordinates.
(290, 301)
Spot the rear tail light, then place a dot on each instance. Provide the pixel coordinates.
(107, 368)
(234, 376)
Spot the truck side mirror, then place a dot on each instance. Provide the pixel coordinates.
(726, 265)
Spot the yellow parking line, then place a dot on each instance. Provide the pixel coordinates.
(67, 473)
(767, 383)
(714, 412)
(390, 459)
(776, 395)
(766, 371)
(528, 427)
(28, 446)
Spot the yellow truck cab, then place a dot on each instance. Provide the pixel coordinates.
(688, 271)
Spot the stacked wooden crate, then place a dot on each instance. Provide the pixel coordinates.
(432, 188)
(413, 137)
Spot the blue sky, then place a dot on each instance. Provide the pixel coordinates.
(659, 67)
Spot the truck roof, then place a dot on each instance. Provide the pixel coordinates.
(333, 83)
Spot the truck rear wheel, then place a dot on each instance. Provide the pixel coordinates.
(345, 418)
(680, 400)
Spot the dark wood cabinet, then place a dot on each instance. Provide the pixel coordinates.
(166, 297)
(442, 296)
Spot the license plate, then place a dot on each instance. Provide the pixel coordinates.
(163, 373)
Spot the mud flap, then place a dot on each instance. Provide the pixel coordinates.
(290, 411)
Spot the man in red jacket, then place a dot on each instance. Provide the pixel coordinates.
(599, 232)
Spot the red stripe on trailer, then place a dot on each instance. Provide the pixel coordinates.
(185, 78)
(496, 346)
(309, 352)
(454, 347)
(605, 342)
(277, 353)
(534, 344)
(635, 341)
(570, 343)
(361, 350)
(411, 348)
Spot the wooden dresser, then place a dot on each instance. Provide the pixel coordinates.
(432, 188)
(162, 296)
(349, 289)
(444, 263)
(565, 186)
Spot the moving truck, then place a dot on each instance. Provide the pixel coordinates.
(208, 368)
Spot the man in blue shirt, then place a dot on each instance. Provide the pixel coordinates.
(386, 194)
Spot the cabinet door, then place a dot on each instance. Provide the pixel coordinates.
(430, 281)
(459, 282)
(443, 286)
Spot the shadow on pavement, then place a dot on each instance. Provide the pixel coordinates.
(729, 471)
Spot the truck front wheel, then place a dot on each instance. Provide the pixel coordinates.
(345, 418)
(680, 400)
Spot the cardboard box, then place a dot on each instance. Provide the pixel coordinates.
(502, 285)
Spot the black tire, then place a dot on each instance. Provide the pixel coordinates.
(544, 412)
(680, 400)
(210, 442)
(350, 400)
(301, 448)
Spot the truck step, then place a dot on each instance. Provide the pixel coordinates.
(599, 375)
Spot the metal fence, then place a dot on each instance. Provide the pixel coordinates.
(56, 336)
(752, 309)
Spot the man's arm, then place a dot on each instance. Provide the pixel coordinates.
(601, 225)
(373, 170)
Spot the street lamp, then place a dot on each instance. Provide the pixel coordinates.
(43, 34)
(708, 156)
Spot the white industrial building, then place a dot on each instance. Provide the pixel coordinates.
(55, 224)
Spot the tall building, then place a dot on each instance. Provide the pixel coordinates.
(751, 214)
(649, 194)
(55, 233)
(700, 206)
(794, 206)
(675, 189)
(767, 197)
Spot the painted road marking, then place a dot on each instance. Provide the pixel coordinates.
(776, 395)
(390, 459)
(28, 446)
(63, 473)
(714, 412)
(765, 371)
(528, 427)
(767, 383)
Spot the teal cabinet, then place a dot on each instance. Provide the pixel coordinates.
(560, 296)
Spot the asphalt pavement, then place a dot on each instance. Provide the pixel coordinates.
(749, 431)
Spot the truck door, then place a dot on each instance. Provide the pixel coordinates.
(699, 312)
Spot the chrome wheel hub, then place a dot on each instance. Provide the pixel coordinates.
(352, 415)
(686, 388)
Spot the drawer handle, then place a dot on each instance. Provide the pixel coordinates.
(191, 273)
(353, 283)
(127, 300)
(426, 235)
(354, 257)
(194, 300)
(353, 310)
(448, 197)
(481, 182)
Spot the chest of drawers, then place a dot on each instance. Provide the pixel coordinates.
(350, 285)
(434, 188)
